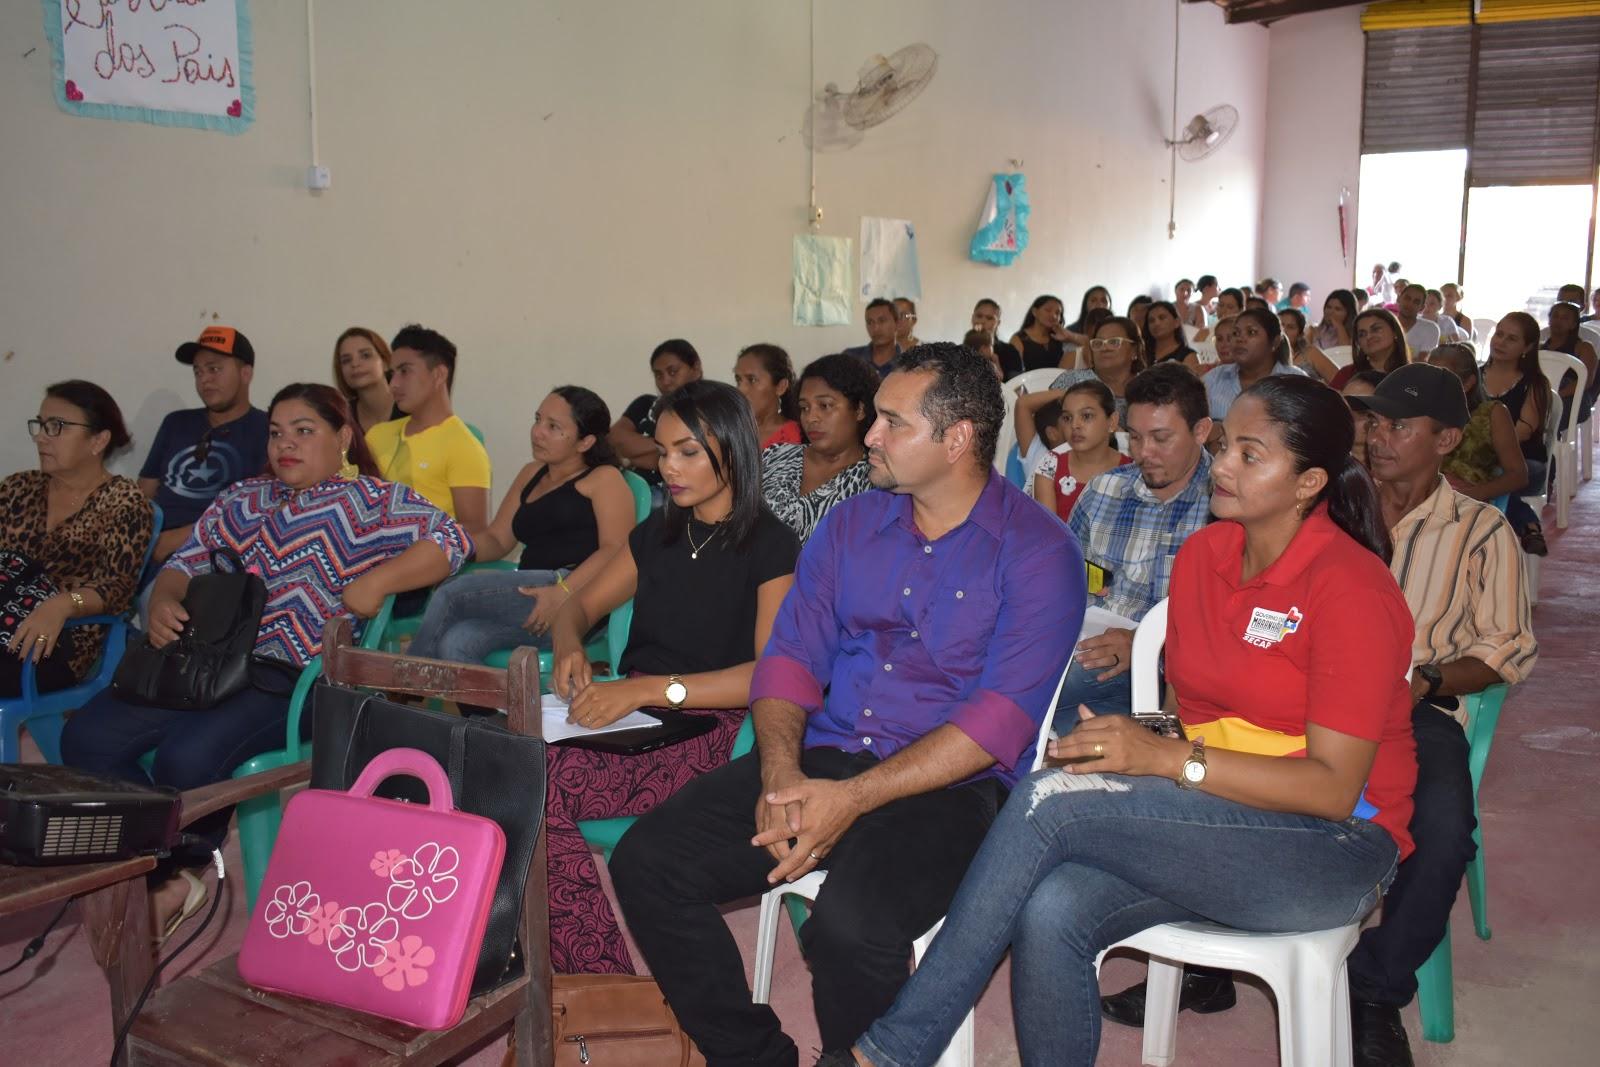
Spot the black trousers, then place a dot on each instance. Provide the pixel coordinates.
(890, 877)
(1417, 907)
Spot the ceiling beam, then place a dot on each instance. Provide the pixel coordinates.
(1265, 11)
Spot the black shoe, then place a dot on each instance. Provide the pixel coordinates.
(836, 1059)
(1203, 992)
(1378, 1036)
(1533, 542)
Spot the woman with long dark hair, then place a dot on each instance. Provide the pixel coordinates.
(80, 529)
(1513, 377)
(1338, 320)
(1380, 346)
(569, 509)
(765, 376)
(328, 538)
(1564, 337)
(1284, 807)
(1077, 332)
(1163, 334)
(1258, 349)
(802, 483)
(1488, 462)
(1305, 355)
(706, 575)
(1041, 338)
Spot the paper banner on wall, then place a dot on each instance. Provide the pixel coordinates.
(1003, 230)
(821, 280)
(165, 62)
(889, 260)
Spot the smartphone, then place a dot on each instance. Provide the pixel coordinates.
(1163, 723)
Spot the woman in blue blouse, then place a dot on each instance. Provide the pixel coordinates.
(328, 538)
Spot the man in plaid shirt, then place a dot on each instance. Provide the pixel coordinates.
(1131, 521)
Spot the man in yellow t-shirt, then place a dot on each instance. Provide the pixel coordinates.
(431, 449)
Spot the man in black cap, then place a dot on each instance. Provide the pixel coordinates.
(198, 452)
(1460, 566)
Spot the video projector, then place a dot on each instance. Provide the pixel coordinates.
(53, 815)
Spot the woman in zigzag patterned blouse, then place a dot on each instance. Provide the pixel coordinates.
(328, 538)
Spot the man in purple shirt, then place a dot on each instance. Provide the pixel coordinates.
(899, 698)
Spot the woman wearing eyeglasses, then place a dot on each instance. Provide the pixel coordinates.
(1114, 355)
(84, 528)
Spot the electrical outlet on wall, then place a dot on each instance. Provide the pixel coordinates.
(318, 178)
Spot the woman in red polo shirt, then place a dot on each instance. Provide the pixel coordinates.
(1285, 808)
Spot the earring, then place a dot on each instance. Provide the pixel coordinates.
(347, 470)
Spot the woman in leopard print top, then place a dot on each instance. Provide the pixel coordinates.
(87, 528)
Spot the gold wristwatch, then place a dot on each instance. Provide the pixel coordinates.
(1193, 774)
(676, 692)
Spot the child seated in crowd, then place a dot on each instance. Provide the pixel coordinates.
(1088, 421)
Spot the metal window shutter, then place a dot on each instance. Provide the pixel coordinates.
(1415, 96)
(1538, 84)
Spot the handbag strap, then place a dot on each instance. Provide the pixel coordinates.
(411, 761)
(457, 773)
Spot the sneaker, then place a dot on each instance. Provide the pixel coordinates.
(1204, 992)
(1533, 542)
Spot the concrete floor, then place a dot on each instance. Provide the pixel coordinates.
(1527, 997)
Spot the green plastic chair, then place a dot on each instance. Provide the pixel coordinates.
(1436, 978)
(259, 816)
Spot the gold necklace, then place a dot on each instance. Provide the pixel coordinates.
(688, 529)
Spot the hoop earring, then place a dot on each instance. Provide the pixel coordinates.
(347, 470)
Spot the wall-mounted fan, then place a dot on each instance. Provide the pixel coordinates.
(1206, 133)
(885, 85)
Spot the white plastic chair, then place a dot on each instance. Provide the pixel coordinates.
(1537, 500)
(1565, 454)
(1482, 330)
(1339, 355)
(961, 1052)
(1205, 352)
(1306, 971)
(1430, 336)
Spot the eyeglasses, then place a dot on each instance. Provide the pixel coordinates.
(1104, 344)
(52, 427)
(202, 447)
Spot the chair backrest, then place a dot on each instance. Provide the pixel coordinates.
(517, 690)
(1591, 333)
(1032, 380)
(1339, 355)
(1013, 470)
(1483, 715)
(1027, 382)
(641, 495)
(1050, 715)
(476, 433)
(1144, 671)
(155, 535)
(1482, 330)
(1555, 365)
(1552, 425)
(1429, 339)
(1205, 352)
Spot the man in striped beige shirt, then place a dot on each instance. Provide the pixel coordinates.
(1460, 567)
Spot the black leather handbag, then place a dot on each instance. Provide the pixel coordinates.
(493, 772)
(213, 658)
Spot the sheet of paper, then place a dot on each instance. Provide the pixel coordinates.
(822, 281)
(557, 728)
(889, 259)
(1097, 621)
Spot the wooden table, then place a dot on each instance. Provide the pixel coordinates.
(116, 916)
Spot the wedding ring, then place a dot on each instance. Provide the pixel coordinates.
(1099, 750)
(40, 639)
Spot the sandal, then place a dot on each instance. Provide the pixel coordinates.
(192, 903)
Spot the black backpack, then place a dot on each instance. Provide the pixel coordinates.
(211, 660)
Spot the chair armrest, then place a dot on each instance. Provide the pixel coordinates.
(372, 637)
(118, 626)
(297, 703)
(207, 799)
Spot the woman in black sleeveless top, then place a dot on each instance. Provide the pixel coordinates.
(570, 509)
(1512, 376)
(1041, 337)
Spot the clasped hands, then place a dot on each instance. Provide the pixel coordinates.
(800, 819)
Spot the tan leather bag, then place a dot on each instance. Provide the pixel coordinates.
(617, 1020)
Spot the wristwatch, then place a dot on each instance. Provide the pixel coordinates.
(1194, 768)
(1433, 676)
(677, 692)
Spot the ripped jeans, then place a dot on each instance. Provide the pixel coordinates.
(1076, 863)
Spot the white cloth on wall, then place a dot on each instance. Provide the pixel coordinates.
(889, 260)
(821, 280)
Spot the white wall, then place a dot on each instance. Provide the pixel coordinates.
(559, 185)
(1314, 130)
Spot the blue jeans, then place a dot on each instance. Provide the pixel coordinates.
(1519, 514)
(1076, 863)
(474, 614)
(1114, 696)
